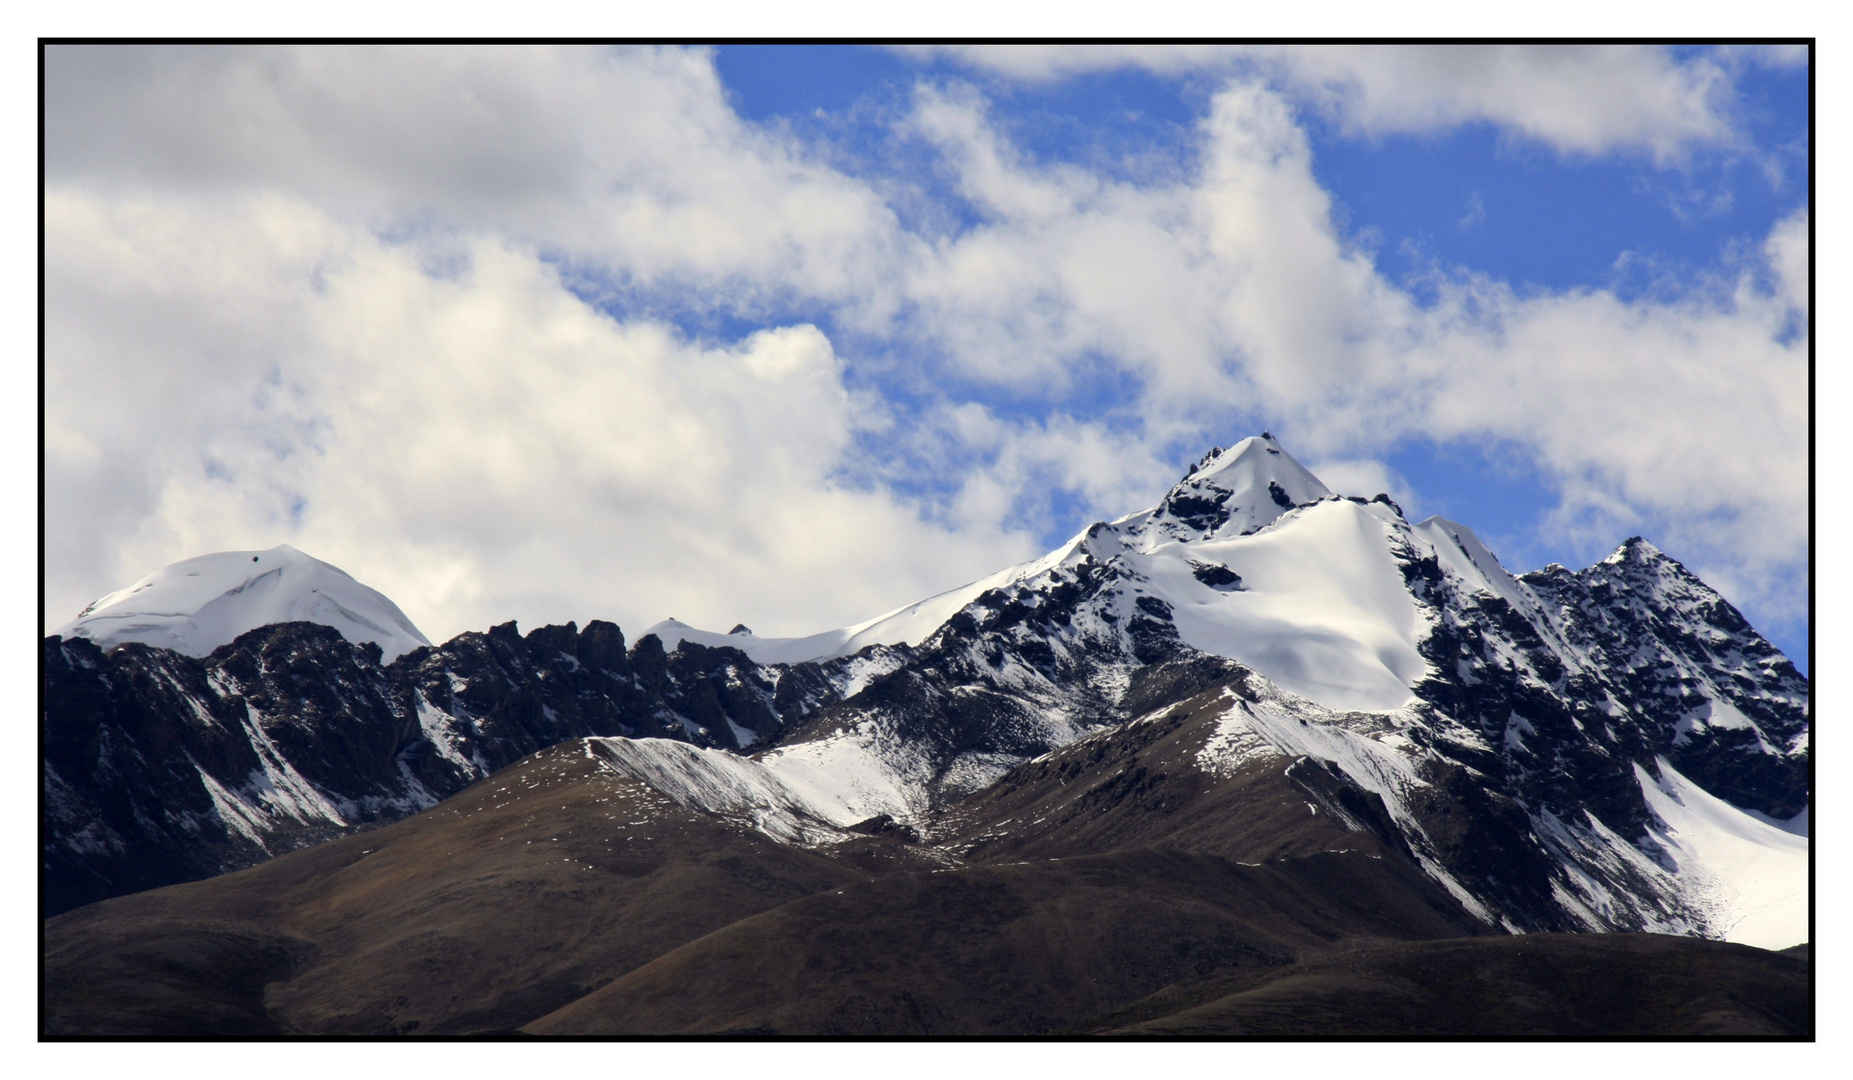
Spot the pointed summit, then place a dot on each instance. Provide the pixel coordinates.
(1634, 549)
(1240, 490)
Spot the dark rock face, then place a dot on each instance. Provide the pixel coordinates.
(1020, 671)
(1667, 644)
(1542, 731)
(1615, 666)
(1216, 576)
(1204, 512)
(161, 767)
(144, 747)
(1567, 693)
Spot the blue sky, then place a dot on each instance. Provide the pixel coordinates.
(793, 335)
(1471, 197)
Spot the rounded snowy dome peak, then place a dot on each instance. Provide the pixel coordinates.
(196, 605)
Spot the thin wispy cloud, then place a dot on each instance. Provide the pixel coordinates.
(1476, 212)
(1581, 99)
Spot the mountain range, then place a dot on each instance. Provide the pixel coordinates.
(1262, 758)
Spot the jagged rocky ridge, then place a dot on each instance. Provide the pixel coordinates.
(161, 767)
(1523, 740)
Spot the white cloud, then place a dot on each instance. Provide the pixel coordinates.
(630, 157)
(1583, 99)
(1788, 252)
(1046, 63)
(479, 444)
(1365, 478)
(1215, 289)
(1225, 288)
(1691, 415)
(1586, 99)
(229, 333)
(1232, 288)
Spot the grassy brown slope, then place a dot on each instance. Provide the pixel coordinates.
(1012, 949)
(1540, 985)
(1143, 784)
(1140, 786)
(520, 894)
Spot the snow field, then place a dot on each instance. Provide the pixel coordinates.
(1751, 875)
(199, 604)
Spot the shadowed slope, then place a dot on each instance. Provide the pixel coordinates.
(1180, 777)
(1142, 784)
(1015, 949)
(558, 897)
(522, 893)
(1627, 986)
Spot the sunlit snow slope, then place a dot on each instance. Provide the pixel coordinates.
(199, 604)
(1750, 876)
(1259, 562)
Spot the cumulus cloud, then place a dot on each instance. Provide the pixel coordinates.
(1233, 286)
(218, 376)
(478, 442)
(1229, 285)
(1688, 419)
(630, 157)
(1224, 285)
(338, 297)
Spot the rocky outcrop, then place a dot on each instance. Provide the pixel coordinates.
(161, 767)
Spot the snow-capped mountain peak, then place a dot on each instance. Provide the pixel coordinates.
(196, 605)
(1229, 494)
(1323, 611)
(1236, 491)
(1634, 549)
(1610, 748)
